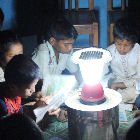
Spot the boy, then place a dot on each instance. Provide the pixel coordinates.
(125, 64)
(10, 45)
(21, 76)
(54, 54)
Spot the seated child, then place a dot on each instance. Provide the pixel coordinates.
(19, 127)
(125, 64)
(21, 76)
(10, 45)
(54, 54)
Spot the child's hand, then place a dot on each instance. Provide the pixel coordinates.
(41, 102)
(136, 113)
(63, 115)
(38, 95)
(114, 86)
(54, 112)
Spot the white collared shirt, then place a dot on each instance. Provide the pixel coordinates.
(125, 68)
(2, 79)
(46, 60)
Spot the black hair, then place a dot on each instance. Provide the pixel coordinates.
(60, 29)
(133, 130)
(19, 127)
(124, 29)
(21, 71)
(57, 27)
(7, 38)
(1, 16)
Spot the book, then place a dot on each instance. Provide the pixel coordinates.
(62, 88)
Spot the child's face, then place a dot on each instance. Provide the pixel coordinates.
(123, 46)
(14, 49)
(25, 91)
(63, 46)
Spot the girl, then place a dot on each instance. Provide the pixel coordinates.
(10, 46)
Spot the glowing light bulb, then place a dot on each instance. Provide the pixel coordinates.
(91, 62)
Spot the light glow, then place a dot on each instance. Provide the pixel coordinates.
(91, 68)
(91, 71)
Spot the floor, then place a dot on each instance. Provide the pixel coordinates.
(59, 129)
(123, 126)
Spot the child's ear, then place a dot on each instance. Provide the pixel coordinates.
(52, 41)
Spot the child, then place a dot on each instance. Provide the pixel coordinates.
(125, 64)
(10, 46)
(54, 54)
(1, 18)
(21, 76)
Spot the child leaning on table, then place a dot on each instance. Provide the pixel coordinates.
(53, 55)
(21, 76)
(125, 64)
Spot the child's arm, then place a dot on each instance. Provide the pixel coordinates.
(78, 76)
(106, 75)
(42, 101)
(138, 62)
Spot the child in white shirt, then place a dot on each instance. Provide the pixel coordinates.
(125, 64)
(54, 54)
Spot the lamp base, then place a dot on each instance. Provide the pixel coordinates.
(92, 103)
(92, 95)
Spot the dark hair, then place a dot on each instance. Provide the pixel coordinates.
(1, 16)
(124, 29)
(19, 127)
(7, 38)
(21, 70)
(133, 131)
(61, 29)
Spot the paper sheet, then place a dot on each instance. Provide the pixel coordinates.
(59, 97)
(122, 111)
(122, 116)
(127, 107)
